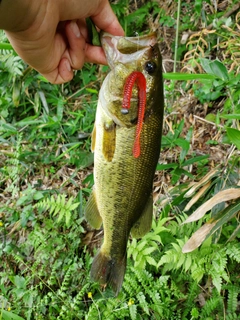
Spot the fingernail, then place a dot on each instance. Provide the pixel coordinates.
(68, 66)
(75, 29)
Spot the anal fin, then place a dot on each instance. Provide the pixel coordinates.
(144, 223)
(92, 214)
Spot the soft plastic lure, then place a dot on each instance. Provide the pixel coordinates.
(138, 78)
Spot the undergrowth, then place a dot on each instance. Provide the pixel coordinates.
(46, 177)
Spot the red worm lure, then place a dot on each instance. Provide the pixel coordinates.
(140, 80)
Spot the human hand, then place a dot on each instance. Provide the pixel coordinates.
(51, 35)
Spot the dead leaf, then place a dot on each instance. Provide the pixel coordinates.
(200, 183)
(198, 237)
(225, 195)
(197, 196)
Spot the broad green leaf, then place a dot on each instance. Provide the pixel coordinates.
(183, 143)
(211, 117)
(219, 69)
(234, 136)
(7, 315)
(205, 63)
(216, 68)
(38, 195)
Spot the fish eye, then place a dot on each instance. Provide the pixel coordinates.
(150, 67)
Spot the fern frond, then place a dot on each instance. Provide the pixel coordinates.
(142, 301)
(78, 300)
(197, 272)
(212, 306)
(65, 284)
(130, 285)
(12, 64)
(190, 297)
(133, 312)
(233, 251)
(232, 300)
(216, 279)
(58, 206)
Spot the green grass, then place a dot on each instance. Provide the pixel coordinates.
(46, 247)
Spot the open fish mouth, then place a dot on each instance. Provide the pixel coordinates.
(126, 49)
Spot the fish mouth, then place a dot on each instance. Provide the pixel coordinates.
(126, 49)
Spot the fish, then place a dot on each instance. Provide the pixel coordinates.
(126, 142)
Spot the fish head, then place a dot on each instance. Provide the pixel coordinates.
(125, 55)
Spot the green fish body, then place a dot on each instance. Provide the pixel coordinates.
(122, 195)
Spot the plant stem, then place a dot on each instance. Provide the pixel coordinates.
(177, 35)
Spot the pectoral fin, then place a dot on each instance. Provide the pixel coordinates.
(92, 214)
(109, 140)
(144, 223)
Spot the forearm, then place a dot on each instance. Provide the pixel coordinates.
(18, 15)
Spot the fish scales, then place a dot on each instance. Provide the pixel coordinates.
(122, 194)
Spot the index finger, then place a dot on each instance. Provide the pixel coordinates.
(106, 20)
(100, 12)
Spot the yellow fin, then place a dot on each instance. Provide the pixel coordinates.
(109, 140)
(144, 223)
(93, 141)
(92, 214)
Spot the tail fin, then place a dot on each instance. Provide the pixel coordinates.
(108, 271)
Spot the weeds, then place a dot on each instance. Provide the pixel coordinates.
(46, 176)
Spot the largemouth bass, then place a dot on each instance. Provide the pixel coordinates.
(126, 145)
